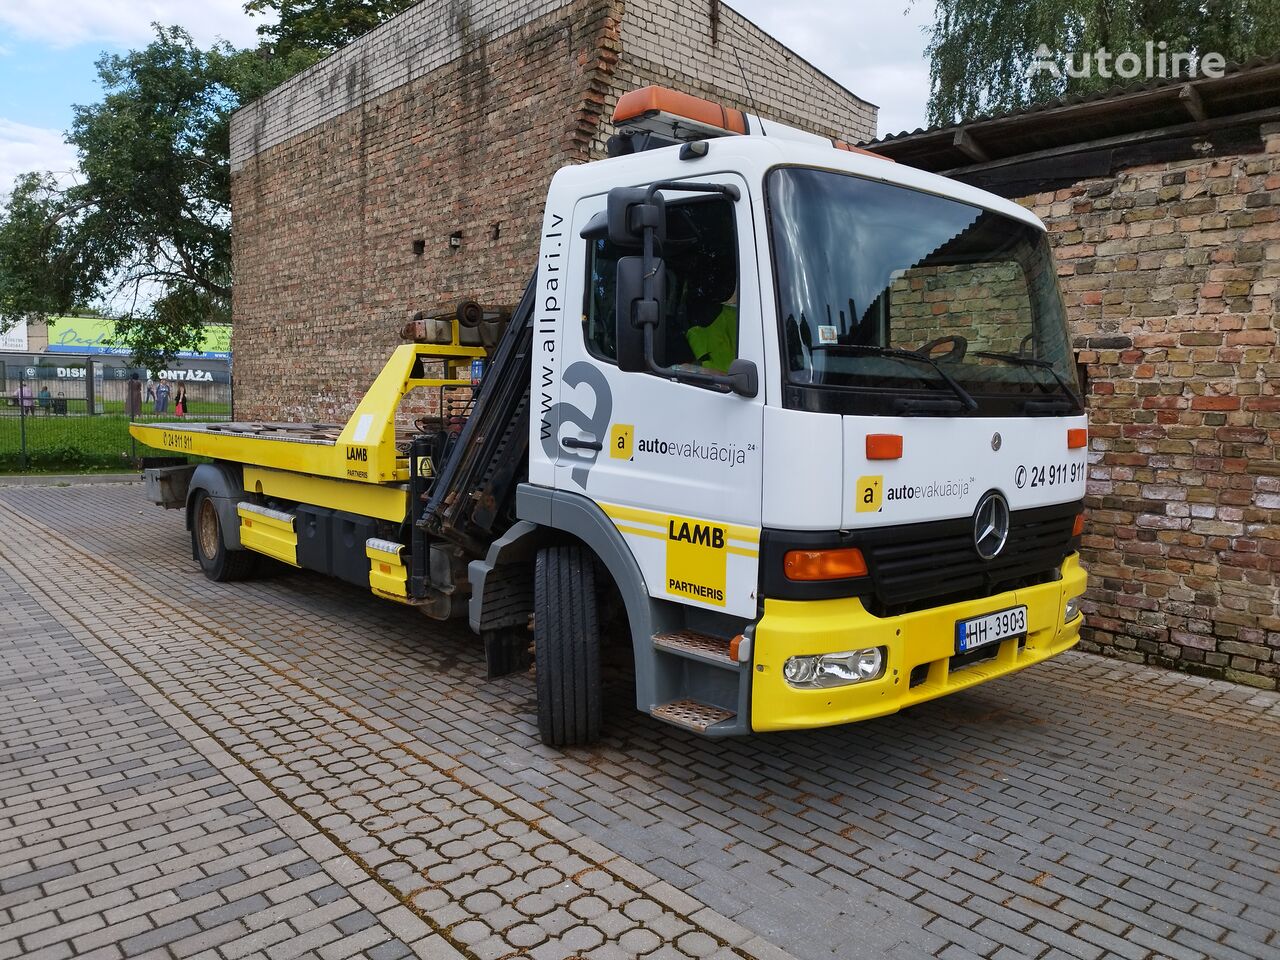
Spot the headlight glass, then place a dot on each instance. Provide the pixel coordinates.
(819, 671)
(1072, 609)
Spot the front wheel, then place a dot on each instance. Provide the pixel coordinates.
(209, 547)
(566, 640)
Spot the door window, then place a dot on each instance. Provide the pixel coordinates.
(701, 300)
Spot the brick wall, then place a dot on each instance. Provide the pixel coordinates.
(1170, 274)
(348, 180)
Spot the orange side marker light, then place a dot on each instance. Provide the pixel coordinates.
(884, 446)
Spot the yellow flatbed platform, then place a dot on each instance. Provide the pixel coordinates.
(301, 461)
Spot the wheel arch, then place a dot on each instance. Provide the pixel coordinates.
(224, 485)
(558, 515)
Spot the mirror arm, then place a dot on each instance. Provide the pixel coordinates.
(723, 189)
(743, 380)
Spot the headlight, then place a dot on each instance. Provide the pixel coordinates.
(1072, 611)
(834, 669)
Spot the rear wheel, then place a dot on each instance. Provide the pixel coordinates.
(566, 639)
(209, 545)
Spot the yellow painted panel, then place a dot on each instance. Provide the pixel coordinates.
(269, 535)
(387, 575)
(790, 628)
(382, 501)
(388, 578)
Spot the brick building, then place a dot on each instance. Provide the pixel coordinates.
(1164, 205)
(408, 169)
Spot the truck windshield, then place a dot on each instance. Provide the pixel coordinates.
(866, 270)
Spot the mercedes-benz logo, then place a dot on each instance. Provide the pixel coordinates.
(990, 525)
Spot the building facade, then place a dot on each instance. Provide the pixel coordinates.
(408, 170)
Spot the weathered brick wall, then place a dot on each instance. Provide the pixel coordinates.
(1170, 274)
(725, 57)
(341, 231)
(348, 181)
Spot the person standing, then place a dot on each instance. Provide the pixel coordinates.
(180, 400)
(25, 397)
(133, 397)
(162, 396)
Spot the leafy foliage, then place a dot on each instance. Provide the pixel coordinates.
(149, 222)
(980, 49)
(44, 268)
(321, 25)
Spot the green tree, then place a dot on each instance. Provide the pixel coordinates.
(149, 222)
(44, 266)
(321, 25)
(980, 50)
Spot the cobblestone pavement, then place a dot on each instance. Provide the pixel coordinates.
(290, 767)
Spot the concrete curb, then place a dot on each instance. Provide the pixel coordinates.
(67, 480)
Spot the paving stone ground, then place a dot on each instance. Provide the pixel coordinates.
(290, 767)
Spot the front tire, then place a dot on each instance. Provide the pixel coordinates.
(209, 546)
(566, 638)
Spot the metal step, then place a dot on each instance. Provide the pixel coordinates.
(692, 715)
(697, 646)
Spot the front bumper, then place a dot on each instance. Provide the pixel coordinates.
(924, 639)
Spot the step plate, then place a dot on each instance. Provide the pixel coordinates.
(692, 715)
(698, 644)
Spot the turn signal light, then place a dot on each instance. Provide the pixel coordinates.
(1077, 437)
(884, 446)
(837, 564)
(1077, 528)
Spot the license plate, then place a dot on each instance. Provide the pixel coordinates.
(990, 628)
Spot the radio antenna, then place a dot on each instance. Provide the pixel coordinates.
(746, 84)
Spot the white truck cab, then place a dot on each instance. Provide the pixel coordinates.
(884, 506)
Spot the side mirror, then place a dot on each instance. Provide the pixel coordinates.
(632, 311)
(630, 211)
(744, 379)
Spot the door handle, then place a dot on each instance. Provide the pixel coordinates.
(573, 443)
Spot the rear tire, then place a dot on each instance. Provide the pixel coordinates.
(566, 638)
(209, 546)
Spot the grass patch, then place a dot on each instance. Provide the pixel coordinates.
(72, 444)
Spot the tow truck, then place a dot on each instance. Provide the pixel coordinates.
(805, 420)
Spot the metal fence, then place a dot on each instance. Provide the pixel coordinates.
(72, 423)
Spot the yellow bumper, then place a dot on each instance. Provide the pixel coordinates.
(926, 637)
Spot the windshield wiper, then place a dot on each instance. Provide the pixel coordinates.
(1022, 361)
(966, 400)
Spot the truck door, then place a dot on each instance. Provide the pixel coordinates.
(677, 467)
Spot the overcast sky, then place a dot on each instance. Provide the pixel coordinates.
(48, 49)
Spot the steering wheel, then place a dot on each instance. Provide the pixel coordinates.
(958, 346)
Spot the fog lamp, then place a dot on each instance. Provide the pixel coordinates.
(834, 669)
(1073, 609)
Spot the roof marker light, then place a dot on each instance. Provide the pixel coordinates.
(841, 145)
(1077, 437)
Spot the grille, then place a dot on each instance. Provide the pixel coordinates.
(919, 565)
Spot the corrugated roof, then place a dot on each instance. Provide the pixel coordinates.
(1111, 93)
